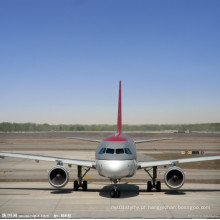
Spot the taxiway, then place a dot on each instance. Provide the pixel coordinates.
(26, 193)
(29, 200)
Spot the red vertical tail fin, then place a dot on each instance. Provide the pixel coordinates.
(119, 111)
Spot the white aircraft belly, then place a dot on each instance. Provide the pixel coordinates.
(116, 169)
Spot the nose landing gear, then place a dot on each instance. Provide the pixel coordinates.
(115, 193)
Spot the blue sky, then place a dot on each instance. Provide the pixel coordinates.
(61, 61)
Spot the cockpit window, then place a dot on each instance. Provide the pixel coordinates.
(120, 151)
(127, 151)
(117, 151)
(110, 151)
(102, 151)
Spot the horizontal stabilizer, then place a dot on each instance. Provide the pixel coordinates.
(84, 139)
(151, 140)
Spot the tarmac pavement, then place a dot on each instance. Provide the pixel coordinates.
(38, 200)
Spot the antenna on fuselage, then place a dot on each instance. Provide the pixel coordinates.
(119, 111)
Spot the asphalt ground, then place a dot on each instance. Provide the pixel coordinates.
(37, 200)
(57, 140)
(26, 193)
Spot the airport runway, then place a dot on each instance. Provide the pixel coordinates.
(37, 200)
(26, 193)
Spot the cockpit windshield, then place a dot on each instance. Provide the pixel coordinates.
(115, 151)
(120, 151)
(110, 151)
(102, 151)
(127, 151)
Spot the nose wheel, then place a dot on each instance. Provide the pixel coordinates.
(115, 193)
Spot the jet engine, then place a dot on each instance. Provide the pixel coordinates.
(174, 177)
(58, 176)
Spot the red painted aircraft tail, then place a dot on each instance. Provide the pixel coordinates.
(118, 136)
(119, 111)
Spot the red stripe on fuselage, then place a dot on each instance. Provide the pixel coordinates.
(116, 138)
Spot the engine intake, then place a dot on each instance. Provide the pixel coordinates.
(58, 176)
(174, 177)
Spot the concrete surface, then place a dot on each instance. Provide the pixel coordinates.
(26, 193)
(33, 200)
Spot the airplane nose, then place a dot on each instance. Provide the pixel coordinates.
(115, 169)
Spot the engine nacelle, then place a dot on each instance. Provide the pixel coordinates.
(174, 177)
(58, 176)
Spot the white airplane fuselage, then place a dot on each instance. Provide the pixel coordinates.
(116, 157)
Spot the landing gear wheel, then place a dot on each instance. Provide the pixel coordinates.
(154, 183)
(117, 194)
(112, 193)
(149, 186)
(158, 186)
(76, 185)
(84, 185)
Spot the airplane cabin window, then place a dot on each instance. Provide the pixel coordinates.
(102, 151)
(120, 151)
(127, 151)
(110, 151)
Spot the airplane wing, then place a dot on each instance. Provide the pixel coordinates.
(151, 140)
(37, 158)
(142, 165)
(84, 139)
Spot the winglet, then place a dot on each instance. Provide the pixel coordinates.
(119, 111)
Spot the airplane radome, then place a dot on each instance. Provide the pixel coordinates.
(115, 158)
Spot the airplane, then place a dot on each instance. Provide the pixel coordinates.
(115, 158)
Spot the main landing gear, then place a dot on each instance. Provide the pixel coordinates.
(115, 193)
(153, 184)
(80, 182)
